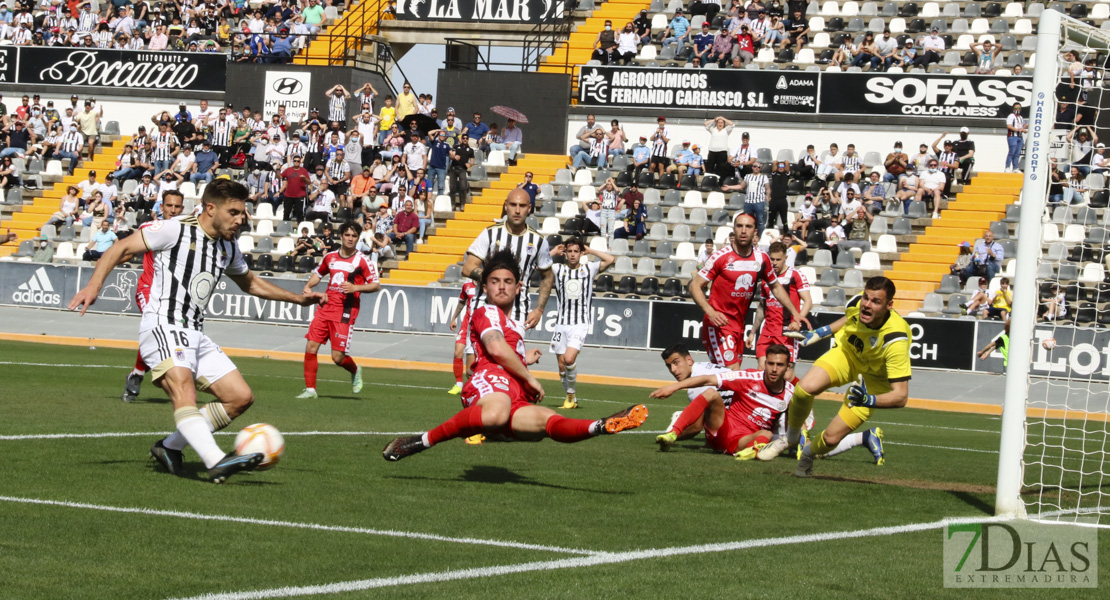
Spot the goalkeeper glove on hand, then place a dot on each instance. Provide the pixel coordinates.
(812, 337)
(858, 396)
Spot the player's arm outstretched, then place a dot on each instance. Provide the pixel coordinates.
(816, 335)
(256, 286)
(501, 353)
(685, 384)
(120, 252)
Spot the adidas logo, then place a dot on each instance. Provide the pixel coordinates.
(37, 290)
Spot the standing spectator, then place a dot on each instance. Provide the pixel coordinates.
(406, 102)
(362, 187)
(895, 164)
(758, 188)
(337, 103)
(438, 158)
(987, 258)
(834, 233)
(424, 212)
(89, 122)
(462, 158)
(605, 45)
(386, 117)
(70, 147)
(101, 241)
(778, 208)
(628, 44)
(947, 161)
(716, 161)
(531, 189)
(1081, 142)
(609, 197)
(294, 190)
(338, 173)
(405, 226)
(965, 154)
(415, 155)
(364, 96)
(985, 56)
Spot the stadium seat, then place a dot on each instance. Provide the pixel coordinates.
(836, 298)
(845, 260)
(563, 177)
(645, 267)
(627, 285)
(623, 265)
(1092, 273)
(1073, 234)
(887, 244)
(902, 226)
(263, 228)
(1001, 230)
(587, 192)
(1050, 233)
(692, 199)
(950, 284)
(671, 288)
(664, 250)
(685, 251)
(568, 209)
(603, 283)
(869, 261)
(601, 176)
(829, 278)
(658, 232)
(246, 244)
(265, 245)
(853, 279)
(304, 264)
(955, 302)
(285, 246)
(822, 258)
(667, 181)
(649, 286)
(1068, 272)
(681, 232)
(619, 247)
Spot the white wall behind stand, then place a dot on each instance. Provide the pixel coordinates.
(990, 147)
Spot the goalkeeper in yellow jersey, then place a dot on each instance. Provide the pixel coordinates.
(872, 353)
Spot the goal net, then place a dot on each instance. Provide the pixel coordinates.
(1054, 460)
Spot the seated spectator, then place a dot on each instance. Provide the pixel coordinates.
(512, 138)
(635, 221)
(796, 250)
(859, 228)
(986, 55)
(874, 194)
(895, 164)
(980, 299)
(96, 211)
(676, 32)
(1054, 306)
(101, 241)
(1057, 182)
(963, 260)
(1075, 189)
(931, 188)
(628, 45)
(9, 174)
(1001, 303)
(328, 241)
(405, 226)
(988, 257)
(834, 233)
(205, 165)
(44, 251)
(744, 48)
(805, 217)
(321, 203)
(605, 45)
(906, 56)
(598, 153)
(707, 249)
(67, 208)
(908, 187)
(702, 44)
(306, 245)
(383, 221)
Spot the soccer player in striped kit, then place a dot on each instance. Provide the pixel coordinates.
(190, 257)
(349, 275)
(574, 290)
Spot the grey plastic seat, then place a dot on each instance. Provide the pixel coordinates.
(955, 302)
(951, 9)
(934, 303)
(663, 250)
(1001, 230)
(654, 214)
(658, 232)
(619, 247)
(1086, 216)
(1013, 214)
(452, 274)
(675, 214)
(853, 279)
(669, 268)
(1096, 235)
(949, 284)
(1068, 272)
(640, 248)
(835, 297)
(845, 260)
(264, 245)
(959, 26)
(1057, 252)
(1061, 215)
(972, 9)
(902, 226)
(829, 278)
(680, 233)
(672, 198)
(917, 210)
(821, 258)
(1045, 271)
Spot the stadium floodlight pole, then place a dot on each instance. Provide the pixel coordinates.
(1034, 190)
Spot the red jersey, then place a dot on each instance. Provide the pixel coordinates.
(776, 317)
(490, 318)
(734, 278)
(147, 275)
(355, 269)
(469, 296)
(752, 404)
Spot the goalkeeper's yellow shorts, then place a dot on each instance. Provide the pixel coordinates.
(843, 370)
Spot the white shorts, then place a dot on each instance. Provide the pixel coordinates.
(167, 346)
(568, 336)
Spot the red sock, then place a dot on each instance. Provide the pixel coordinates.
(349, 364)
(139, 364)
(465, 423)
(758, 440)
(310, 366)
(690, 414)
(568, 431)
(458, 367)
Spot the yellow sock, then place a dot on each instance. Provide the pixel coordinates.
(818, 446)
(800, 407)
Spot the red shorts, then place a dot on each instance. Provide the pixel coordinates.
(767, 340)
(333, 332)
(724, 345)
(489, 381)
(142, 296)
(727, 438)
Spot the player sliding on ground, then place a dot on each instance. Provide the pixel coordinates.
(173, 203)
(349, 276)
(735, 270)
(502, 396)
(574, 291)
(190, 256)
(740, 423)
(873, 345)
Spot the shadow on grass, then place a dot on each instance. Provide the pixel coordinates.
(974, 501)
(963, 491)
(501, 475)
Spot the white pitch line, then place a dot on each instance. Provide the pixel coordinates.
(575, 563)
(298, 525)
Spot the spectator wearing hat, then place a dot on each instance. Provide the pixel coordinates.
(931, 48)
(743, 158)
(677, 30)
(721, 50)
(681, 160)
(44, 250)
(1100, 163)
(702, 43)
(963, 260)
(641, 157)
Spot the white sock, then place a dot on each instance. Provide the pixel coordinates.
(175, 441)
(674, 419)
(597, 427)
(563, 380)
(850, 441)
(793, 434)
(138, 372)
(195, 430)
(424, 439)
(572, 378)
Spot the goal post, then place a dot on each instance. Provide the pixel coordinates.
(1055, 442)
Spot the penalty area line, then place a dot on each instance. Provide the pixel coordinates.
(297, 525)
(576, 563)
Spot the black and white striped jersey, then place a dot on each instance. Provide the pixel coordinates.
(221, 132)
(337, 108)
(531, 251)
(187, 265)
(756, 188)
(574, 291)
(164, 144)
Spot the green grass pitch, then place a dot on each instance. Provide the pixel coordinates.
(565, 506)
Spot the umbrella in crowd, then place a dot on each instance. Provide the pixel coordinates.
(510, 113)
(424, 123)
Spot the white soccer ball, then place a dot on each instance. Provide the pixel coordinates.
(1049, 344)
(264, 439)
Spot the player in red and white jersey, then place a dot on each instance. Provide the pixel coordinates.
(739, 425)
(349, 275)
(468, 300)
(773, 316)
(173, 203)
(502, 396)
(734, 270)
